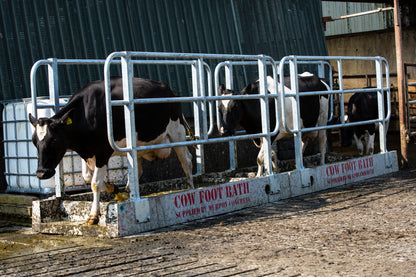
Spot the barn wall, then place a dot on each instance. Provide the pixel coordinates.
(379, 43)
(372, 22)
(33, 30)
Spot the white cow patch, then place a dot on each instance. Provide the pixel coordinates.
(226, 102)
(41, 131)
(150, 155)
(306, 74)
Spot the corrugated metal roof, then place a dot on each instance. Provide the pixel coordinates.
(373, 22)
(33, 30)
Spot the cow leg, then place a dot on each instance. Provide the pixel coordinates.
(305, 142)
(185, 157)
(97, 184)
(274, 162)
(88, 167)
(369, 140)
(260, 162)
(360, 146)
(322, 121)
(176, 133)
(322, 144)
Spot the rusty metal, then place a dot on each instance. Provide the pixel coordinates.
(400, 84)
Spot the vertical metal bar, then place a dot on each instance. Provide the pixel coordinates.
(400, 84)
(53, 84)
(296, 114)
(203, 110)
(28, 135)
(387, 88)
(380, 101)
(321, 74)
(6, 145)
(265, 119)
(196, 87)
(232, 145)
(331, 97)
(203, 104)
(216, 85)
(210, 103)
(33, 89)
(54, 99)
(127, 75)
(341, 90)
(321, 70)
(16, 148)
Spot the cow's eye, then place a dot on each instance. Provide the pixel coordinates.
(53, 141)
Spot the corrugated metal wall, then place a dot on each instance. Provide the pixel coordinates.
(33, 30)
(373, 22)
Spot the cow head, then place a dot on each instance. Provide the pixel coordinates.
(51, 142)
(230, 112)
(353, 115)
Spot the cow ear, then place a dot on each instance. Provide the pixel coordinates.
(248, 89)
(354, 109)
(221, 89)
(66, 119)
(33, 120)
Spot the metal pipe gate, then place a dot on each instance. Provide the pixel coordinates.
(200, 99)
(205, 108)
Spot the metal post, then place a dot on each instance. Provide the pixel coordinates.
(341, 90)
(229, 83)
(380, 101)
(264, 108)
(127, 73)
(296, 114)
(197, 85)
(54, 99)
(400, 84)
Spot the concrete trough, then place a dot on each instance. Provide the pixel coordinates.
(118, 219)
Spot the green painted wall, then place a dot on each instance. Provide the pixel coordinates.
(34, 30)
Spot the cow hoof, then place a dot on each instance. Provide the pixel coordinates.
(92, 220)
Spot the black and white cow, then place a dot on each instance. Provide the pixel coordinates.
(313, 112)
(81, 126)
(362, 106)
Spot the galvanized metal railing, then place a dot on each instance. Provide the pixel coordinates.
(54, 105)
(204, 102)
(200, 100)
(228, 71)
(381, 89)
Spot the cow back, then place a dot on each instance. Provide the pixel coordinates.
(309, 105)
(87, 131)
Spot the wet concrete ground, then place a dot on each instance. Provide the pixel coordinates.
(360, 229)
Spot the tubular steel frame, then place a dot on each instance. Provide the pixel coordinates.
(203, 116)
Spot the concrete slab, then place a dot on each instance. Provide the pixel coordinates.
(120, 219)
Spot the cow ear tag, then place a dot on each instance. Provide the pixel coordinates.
(69, 121)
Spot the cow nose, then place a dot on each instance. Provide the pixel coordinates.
(222, 131)
(45, 173)
(226, 133)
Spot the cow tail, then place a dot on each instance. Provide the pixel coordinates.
(258, 145)
(188, 129)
